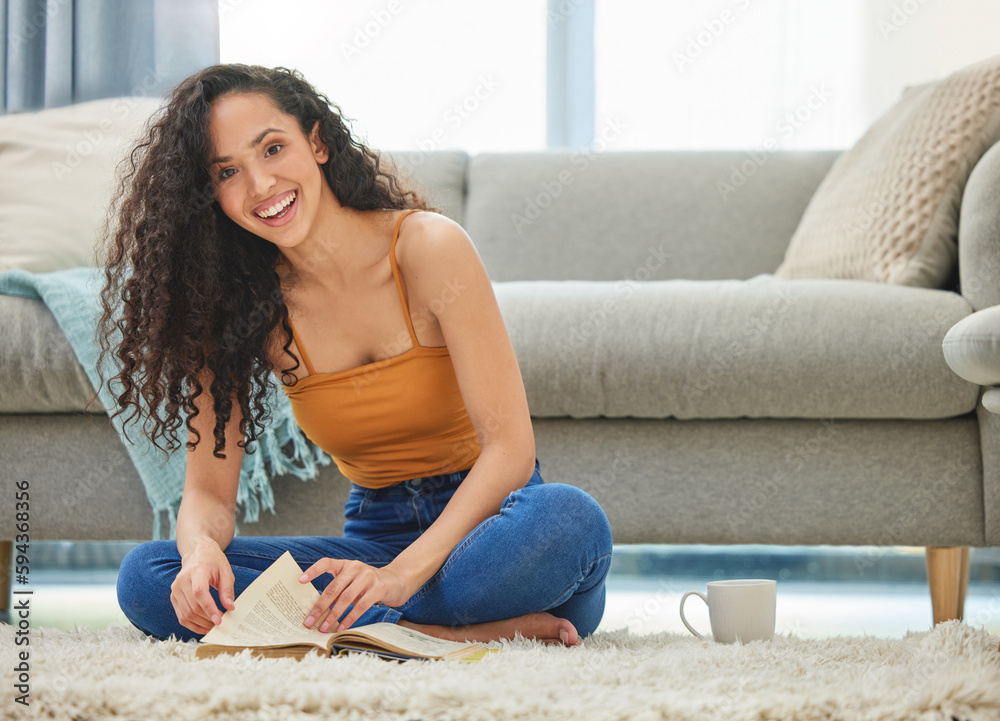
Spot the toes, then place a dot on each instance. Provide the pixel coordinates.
(572, 638)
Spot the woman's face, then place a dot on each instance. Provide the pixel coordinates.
(266, 173)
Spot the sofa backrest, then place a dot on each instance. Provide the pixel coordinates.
(556, 215)
(656, 215)
(438, 174)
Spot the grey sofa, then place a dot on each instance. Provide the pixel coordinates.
(699, 399)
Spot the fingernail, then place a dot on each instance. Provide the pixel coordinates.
(303, 577)
(310, 620)
(564, 636)
(325, 627)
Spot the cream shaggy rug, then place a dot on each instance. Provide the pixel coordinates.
(950, 672)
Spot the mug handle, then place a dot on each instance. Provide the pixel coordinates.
(683, 599)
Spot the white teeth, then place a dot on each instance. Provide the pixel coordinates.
(277, 207)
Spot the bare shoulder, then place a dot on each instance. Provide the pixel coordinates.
(428, 237)
(439, 263)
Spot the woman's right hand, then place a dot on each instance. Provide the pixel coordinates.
(206, 566)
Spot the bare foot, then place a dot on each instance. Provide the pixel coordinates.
(540, 626)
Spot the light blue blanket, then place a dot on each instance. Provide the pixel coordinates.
(73, 297)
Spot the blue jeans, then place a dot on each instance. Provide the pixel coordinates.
(548, 549)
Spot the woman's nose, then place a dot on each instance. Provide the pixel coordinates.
(261, 182)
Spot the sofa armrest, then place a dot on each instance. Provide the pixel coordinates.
(989, 438)
(972, 350)
(979, 233)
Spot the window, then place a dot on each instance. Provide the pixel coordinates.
(431, 75)
(737, 73)
(716, 74)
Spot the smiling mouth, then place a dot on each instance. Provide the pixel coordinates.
(279, 209)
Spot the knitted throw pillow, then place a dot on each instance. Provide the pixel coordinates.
(888, 209)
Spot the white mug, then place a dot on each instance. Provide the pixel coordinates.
(740, 610)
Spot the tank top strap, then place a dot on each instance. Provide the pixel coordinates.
(395, 274)
(302, 351)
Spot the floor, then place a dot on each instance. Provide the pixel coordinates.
(817, 595)
(804, 610)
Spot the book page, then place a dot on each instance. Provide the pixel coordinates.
(271, 610)
(395, 636)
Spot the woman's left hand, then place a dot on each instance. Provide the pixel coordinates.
(354, 583)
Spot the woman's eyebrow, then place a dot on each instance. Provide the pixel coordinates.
(254, 142)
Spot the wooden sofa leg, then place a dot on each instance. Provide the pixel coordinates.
(948, 578)
(6, 549)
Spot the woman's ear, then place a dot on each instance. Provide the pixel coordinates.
(320, 151)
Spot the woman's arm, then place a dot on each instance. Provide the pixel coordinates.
(443, 264)
(208, 506)
(206, 521)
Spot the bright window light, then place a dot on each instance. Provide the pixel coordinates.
(668, 75)
(731, 74)
(448, 74)
(777, 74)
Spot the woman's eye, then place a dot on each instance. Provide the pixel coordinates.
(225, 173)
(272, 147)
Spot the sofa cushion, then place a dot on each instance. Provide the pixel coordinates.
(764, 347)
(888, 210)
(56, 176)
(40, 371)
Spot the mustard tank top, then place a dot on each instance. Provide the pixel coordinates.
(391, 420)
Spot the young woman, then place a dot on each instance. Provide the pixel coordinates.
(251, 232)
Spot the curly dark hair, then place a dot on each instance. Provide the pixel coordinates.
(195, 289)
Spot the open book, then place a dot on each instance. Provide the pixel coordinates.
(268, 615)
